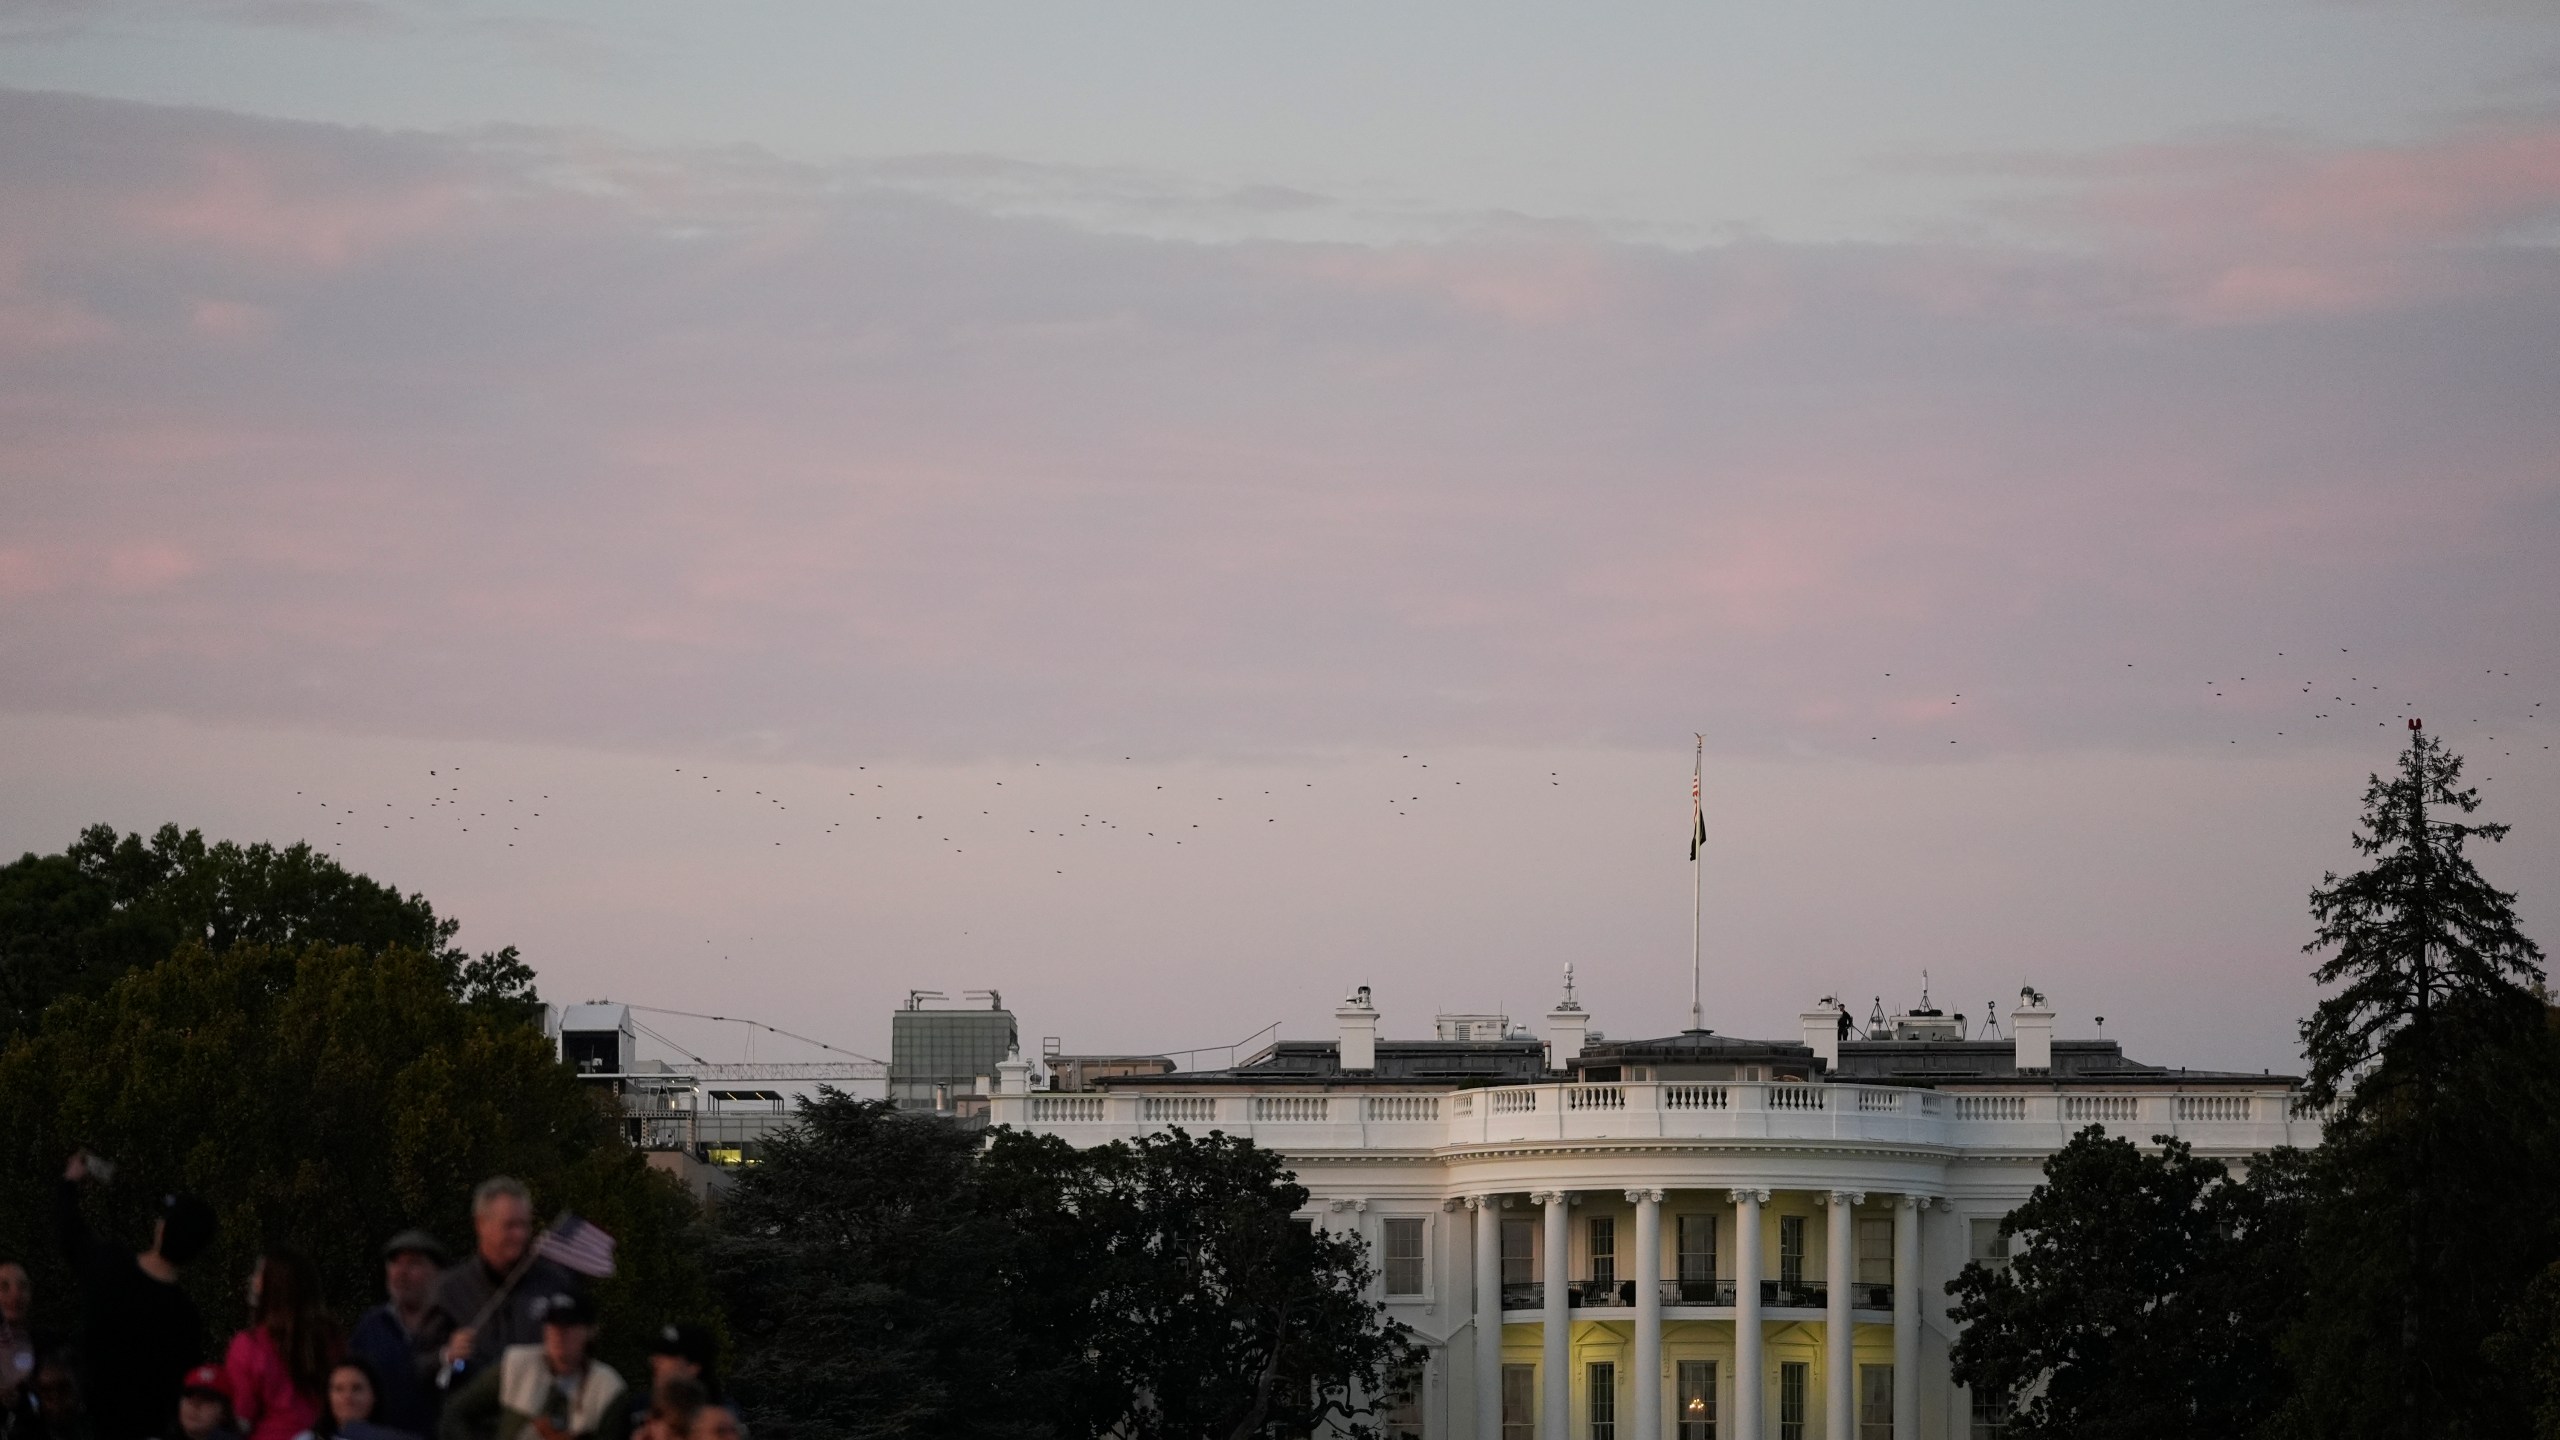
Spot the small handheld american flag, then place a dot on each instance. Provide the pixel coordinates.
(573, 1244)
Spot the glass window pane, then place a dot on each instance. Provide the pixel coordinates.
(1875, 1402)
(1519, 1402)
(1602, 1400)
(1696, 1400)
(1989, 1249)
(1603, 1233)
(1791, 1378)
(1875, 1251)
(1404, 1256)
(1519, 1252)
(1697, 1249)
(1791, 1251)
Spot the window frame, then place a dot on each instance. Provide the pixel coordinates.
(1795, 1377)
(1419, 1261)
(1600, 1400)
(1870, 1424)
(1683, 1227)
(1519, 1422)
(1791, 1252)
(1600, 1249)
(1683, 1427)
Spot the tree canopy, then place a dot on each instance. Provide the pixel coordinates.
(73, 923)
(2147, 1299)
(324, 1097)
(893, 1276)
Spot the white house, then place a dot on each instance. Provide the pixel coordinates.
(1690, 1238)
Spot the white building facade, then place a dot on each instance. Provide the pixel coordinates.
(1692, 1238)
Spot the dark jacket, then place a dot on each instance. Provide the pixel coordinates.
(406, 1362)
(138, 1336)
(466, 1287)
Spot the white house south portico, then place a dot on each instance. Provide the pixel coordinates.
(1696, 1237)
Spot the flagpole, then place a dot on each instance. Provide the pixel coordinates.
(1697, 887)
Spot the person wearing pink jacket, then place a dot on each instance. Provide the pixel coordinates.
(278, 1368)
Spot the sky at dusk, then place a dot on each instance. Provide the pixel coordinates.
(1172, 512)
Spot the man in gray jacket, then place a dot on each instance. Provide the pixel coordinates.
(487, 1311)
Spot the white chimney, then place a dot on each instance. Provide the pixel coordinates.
(2031, 1030)
(1358, 1020)
(1013, 1074)
(1568, 1026)
(1822, 1034)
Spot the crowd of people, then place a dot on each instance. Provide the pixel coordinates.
(497, 1345)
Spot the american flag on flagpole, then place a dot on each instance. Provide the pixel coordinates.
(573, 1244)
(1697, 816)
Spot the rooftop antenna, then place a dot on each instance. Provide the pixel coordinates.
(1697, 885)
(1875, 1018)
(1990, 1021)
(1924, 989)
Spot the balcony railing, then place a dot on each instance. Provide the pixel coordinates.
(1697, 1292)
(1532, 1296)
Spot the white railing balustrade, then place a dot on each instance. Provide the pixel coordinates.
(1741, 1109)
(2213, 1107)
(2082, 1109)
(1067, 1109)
(1292, 1109)
(1403, 1107)
(1178, 1110)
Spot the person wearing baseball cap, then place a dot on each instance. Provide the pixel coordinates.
(680, 1351)
(402, 1339)
(555, 1389)
(204, 1405)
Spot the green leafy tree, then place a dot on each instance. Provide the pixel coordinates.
(1172, 1283)
(867, 1283)
(2440, 1149)
(324, 1097)
(2147, 1300)
(893, 1276)
(73, 923)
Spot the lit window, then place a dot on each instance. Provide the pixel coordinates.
(1697, 1400)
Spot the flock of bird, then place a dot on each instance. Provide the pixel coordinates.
(2296, 698)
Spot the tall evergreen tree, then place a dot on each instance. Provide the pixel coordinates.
(2433, 1059)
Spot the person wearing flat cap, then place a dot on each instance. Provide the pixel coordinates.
(556, 1390)
(403, 1337)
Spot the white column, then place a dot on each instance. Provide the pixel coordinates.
(1906, 1316)
(1648, 1412)
(1839, 1422)
(1556, 1410)
(1488, 1316)
(1746, 1313)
